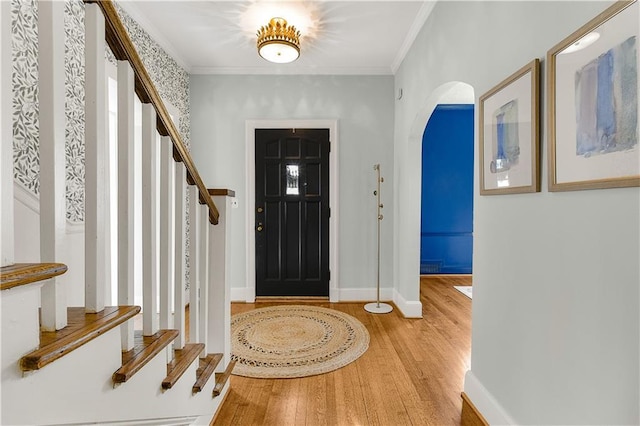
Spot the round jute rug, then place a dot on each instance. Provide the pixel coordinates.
(295, 341)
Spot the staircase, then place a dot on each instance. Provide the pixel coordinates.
(123, 364)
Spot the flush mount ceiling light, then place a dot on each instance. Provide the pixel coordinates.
(279, 42)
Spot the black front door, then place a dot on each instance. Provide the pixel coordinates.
(292, 212)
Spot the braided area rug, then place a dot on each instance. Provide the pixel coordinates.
(295, 341)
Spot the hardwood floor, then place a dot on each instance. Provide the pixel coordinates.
(412, 373)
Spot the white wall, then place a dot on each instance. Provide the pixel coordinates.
(6, 140)
(363, 106)
(27, 246)
(556, 275)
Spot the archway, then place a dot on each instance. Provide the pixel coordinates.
(446, 223)
(407, 243)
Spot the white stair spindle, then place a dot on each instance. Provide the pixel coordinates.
(194, 263)
(52, 157)
(179, 292)
(95, 122)
(126, 196)
(204, 260)
(150, 220)
(6, 138)
(167, 231)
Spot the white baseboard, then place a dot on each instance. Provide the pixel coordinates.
(364, 294)
(238, 294)
(486, 404)
(241, 294)
(409, 308)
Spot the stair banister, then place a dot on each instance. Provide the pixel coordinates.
(52, 158)
(122, 48)
(168, 231)
(180, 254)
(195, 234)
(95, 143)
(127, 202)
(91, 336)
(205, 259)
(150, 219)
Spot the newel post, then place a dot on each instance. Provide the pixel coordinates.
(219, 267)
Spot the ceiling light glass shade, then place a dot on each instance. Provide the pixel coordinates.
(279, 42)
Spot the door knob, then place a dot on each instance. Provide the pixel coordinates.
(259, 228)
(260, 210)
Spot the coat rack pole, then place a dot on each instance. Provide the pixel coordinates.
(377, 307)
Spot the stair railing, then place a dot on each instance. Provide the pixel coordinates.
(168, 177)
(168, 173)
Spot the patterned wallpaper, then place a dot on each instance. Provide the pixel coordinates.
(172, 83)
(24, 15)
(74, 107)
(170, 79)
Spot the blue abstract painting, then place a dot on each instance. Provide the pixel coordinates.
(506, 143)
(607, 102)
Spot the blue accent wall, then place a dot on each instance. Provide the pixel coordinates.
(446, 235)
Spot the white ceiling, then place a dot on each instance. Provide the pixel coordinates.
(338, 37)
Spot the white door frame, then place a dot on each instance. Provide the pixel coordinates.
(251, 126)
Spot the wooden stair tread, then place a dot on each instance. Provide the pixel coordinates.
(207, 367)
(144, 349)
(182, 359)
(221, 379)
(26, 273)
(81, 328)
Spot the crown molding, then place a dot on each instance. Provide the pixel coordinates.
(418, 23)
(291, 70)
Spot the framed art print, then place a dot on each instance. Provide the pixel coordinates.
(509, 134)
(593, 103)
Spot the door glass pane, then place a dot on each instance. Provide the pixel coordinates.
(292, 179)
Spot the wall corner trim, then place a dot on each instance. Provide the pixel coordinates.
(408, 308)
(485, 402)
(32, 202)
(26, 197)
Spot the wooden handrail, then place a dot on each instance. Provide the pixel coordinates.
(222, 192)
(118, 40)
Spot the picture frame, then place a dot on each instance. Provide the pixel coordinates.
(509, 134)
(592, 103)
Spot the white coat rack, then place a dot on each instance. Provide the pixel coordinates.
(377, 307)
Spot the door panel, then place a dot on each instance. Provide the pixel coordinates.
(292, 212)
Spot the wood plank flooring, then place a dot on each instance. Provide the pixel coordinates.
(412, 373)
